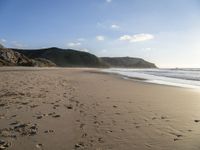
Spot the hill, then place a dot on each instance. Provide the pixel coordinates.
(64, 57)
(127, 62)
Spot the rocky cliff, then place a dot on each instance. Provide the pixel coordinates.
(8, 57)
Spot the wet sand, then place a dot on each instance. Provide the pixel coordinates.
(65, 109)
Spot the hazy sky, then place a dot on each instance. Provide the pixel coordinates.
(166, 32)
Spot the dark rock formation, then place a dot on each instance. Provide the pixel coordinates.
(1, 46)
(8, 57)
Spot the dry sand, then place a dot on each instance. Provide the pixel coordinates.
(65, 109)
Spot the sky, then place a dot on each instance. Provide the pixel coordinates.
(165, 32)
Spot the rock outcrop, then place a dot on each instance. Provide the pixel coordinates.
(8, 57)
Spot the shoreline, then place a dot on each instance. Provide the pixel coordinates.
(144, 81)
(157, 82)
(99, 70)
(82, 109)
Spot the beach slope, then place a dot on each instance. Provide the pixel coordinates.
(58, 108)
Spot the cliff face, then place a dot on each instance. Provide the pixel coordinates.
(1, 46)
(127, 62)
(9, 57)
(12, 58)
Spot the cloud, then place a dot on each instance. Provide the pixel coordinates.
(104, 51)
(108, 1)
(137, 37)
(100, 38)
(148, 49)
(81, 39)
(106, 25)
(114, 26)
(17, 44)
(74, 44)
(3, 41)
(101, 25)
(85, 50)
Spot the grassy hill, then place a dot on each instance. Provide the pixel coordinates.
(64, 57)
(127, 62)
(74, 58)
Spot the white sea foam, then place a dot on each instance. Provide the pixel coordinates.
(175, 77)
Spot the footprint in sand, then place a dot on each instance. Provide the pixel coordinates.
(153, 118)
(13, 116)
(79, 145)
(113, 122)
(39, 117)
(3, 104)
(48, 131)
(81, 105)
(14, 123)
(55, 106)
(2, 116)
(56, 116)
(82, 125)
(57, 101)
(68, 106)
(84, 135)
(196, 121)
(176, 139)
(109, 131)
(178, 136)
(163, 117)
(19, 107)
(39, 146)
(148, 145)
(51, 113)
(4, 144)
(137, 127)
(100, 140)
(96, 123)
(33, 106)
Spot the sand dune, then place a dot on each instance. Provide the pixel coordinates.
(82, 109)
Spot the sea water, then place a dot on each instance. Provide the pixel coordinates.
(182, 77)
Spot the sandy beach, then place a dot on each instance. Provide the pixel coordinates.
(65, 109)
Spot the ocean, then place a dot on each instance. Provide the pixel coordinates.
(181, 77)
